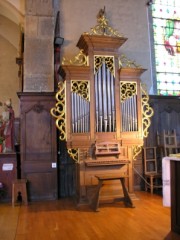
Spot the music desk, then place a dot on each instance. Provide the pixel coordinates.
(101, 178)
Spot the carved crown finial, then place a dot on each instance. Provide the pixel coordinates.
(102, 28)
(101, 13)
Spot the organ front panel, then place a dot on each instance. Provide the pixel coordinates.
(100, 110)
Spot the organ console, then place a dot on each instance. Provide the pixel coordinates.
(102, 109)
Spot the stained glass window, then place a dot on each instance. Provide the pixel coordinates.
(166, 29)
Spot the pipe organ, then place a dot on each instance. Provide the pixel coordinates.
(102, 106)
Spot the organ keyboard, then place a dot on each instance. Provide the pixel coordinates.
(106, 162)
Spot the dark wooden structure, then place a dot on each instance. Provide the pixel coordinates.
(38, 145)
(175, 196)
(166, 117)
(8, 172)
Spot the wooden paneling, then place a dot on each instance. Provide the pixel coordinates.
(66, 172)
(6, 176)
(166, 117)
(38, 145)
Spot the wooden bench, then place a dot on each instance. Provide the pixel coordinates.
(101, 178)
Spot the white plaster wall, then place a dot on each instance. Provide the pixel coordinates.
(10, 31)
(11, 17)
(13, 10)
(9, 82)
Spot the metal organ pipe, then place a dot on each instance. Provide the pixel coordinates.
(100, 101)
(129, 114)
(97, 100)
(113, 102)
(104, 95)
(80, 113)
(72, 111)
(105, 106)
(109, 100)
(76, 112)
(135, 114)
(105, 103)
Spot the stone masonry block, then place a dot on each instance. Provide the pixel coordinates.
(31, 26)
(39, 7)
(38, 56)
(39, 83)
(46, 27)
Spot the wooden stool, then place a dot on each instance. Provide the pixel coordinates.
(19, 191)
(101, 178)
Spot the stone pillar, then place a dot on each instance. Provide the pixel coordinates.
(38, 54)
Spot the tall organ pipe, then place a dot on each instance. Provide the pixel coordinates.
(129, 114)
(113, 104)
(109, 100)
(105, 103)
(79, 113)
(100, 100)
(97, 100)
(104, 94)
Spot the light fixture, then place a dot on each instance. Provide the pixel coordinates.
(58, 40)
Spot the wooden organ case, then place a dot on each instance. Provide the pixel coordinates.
(100, 111)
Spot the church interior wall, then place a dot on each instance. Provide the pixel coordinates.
(76, 17)
(9, 75)
(129, 18)
(11, 18)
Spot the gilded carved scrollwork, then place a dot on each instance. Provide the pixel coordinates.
(102, 27)
(147, 112)
(108, 60)
(81, 88)
(73, 153)
(136, 151)
(59, 110)
(125, 62)
(80, 60)
(127, 89)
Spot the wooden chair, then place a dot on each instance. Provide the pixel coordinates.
(19, 191)
(153, 177)
(170, 142)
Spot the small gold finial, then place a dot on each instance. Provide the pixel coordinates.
(102, 28)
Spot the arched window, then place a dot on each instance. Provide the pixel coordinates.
(166, 32)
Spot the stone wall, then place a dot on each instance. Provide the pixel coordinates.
(38, 56)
